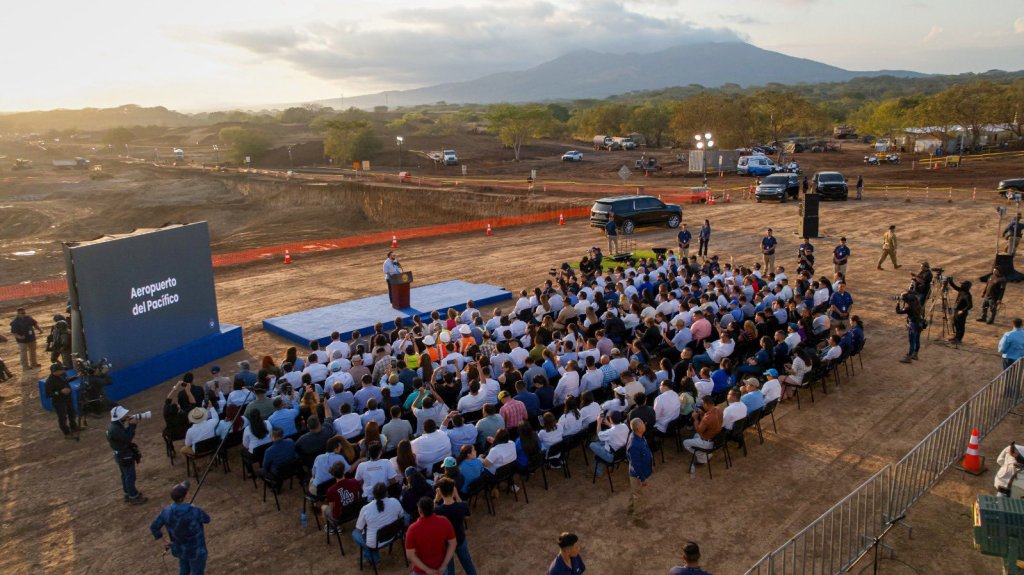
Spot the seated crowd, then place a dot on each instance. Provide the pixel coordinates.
(697, 345)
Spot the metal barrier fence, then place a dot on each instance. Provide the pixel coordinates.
(835, 541)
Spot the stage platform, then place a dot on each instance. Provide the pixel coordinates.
(132, 379)
(360, 315)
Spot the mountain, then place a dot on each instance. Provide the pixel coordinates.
(94, 118)
(590, 74)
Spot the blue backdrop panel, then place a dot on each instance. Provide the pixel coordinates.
(132, 379)
(360, 315)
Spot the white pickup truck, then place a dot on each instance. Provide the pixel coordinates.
(449, 158)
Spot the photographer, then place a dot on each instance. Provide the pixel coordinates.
(964, 303)
(120, 436)
(992, 295)
(58, 390)
(923, 282)
(909, 304)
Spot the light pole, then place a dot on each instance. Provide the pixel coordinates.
(704, 143)
(216, 154)
(291, 163)
(399, 140)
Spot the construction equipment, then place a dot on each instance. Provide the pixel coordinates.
(22, 164)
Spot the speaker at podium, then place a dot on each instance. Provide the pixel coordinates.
(398, 288)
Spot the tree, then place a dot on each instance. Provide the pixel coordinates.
(651, 120)
(245, 142)
(516, 125)
(303, 115)
(1006, 106)
(118, 137)
(350, 140)
(602, 119)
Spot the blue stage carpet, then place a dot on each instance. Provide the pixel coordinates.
(360, 315)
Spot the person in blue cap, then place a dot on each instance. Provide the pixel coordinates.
(186, 537)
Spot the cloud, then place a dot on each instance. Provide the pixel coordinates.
(1018, 25)
(932, 34)
(427, 45)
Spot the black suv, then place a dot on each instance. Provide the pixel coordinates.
(633, 211)
(778, 187)
(830, 186)
(1011, 186)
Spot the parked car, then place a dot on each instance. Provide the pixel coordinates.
(572, 156)
(830, 186)
(449, 158)
(757, 165)
(633, 211)
(1011, 186)
(778, 187)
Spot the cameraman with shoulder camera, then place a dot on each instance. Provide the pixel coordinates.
(120, 436)
(909, 305)
(964, 303)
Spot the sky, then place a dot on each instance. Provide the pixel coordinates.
(216, 54)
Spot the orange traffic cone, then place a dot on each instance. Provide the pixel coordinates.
(394, 240)
(972, 460)
(287, 257)
(711, 198)
(728, 199)
(489, 232)
(561, 219)
(935, 165)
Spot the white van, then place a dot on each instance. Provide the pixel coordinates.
(757, 165)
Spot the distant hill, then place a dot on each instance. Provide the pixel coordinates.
(95, 118)
(590, 74)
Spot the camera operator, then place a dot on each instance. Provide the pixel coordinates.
(992, 295)
(923, 282)
(58, 389)
(909, 305)
(964, 303)
(120, 436)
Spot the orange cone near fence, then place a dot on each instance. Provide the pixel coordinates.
(561, 219)
(972, 459)
(287, 257)
(711, 198)
(394, 240)
(489, 232)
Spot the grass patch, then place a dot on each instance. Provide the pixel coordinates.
(608, 264)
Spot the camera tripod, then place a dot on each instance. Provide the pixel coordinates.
(940, 298)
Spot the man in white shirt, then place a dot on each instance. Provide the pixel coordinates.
(666, 406)
(317, 372)
(717, 351)
(472, 401)
(348, 424)
(792, 336)
(431, 447)
(593, 378)
(771, 389)
(204, 426)
(517, 355)
(608, 440)
(582, 305)
(832, 351)
(337, 345)
(735, 411)
(321, 471)
(621, 364)
(391, 267)
(374, 470)
(702, 382)
(467, 315)
(568, 384)
(338, 376)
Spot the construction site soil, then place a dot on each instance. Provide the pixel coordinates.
(62, 510)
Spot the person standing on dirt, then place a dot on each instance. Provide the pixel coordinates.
(683, 237)
(186, 537)
(568, 561)
(391, 267)
(860, 187)
(121, 436)
(889, 247)
(768, 243)
(611, 230)
(60, 341)
(840, 257)
(703, 237)
(24, 328)
(992, 295)
(58, 390)
(1013, 233)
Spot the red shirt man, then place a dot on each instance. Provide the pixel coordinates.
(430, 541)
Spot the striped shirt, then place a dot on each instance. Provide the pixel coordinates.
(513, 412)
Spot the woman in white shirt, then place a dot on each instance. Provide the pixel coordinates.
(502, 452)
(374, 516)
(551, 434)
(571, 422)
(590, 410)
(256, 433)
(795, 373)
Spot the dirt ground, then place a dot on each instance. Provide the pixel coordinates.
(820, 453)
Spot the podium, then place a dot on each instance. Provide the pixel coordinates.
(398, 289)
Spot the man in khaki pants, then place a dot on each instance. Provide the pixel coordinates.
(641, 464)
(889, 247)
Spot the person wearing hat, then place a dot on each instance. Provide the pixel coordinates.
(58, 390)
(120, 436)
(186, 537)
(772, 388)
(752, 396)
(204, 426)
(889, 247)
